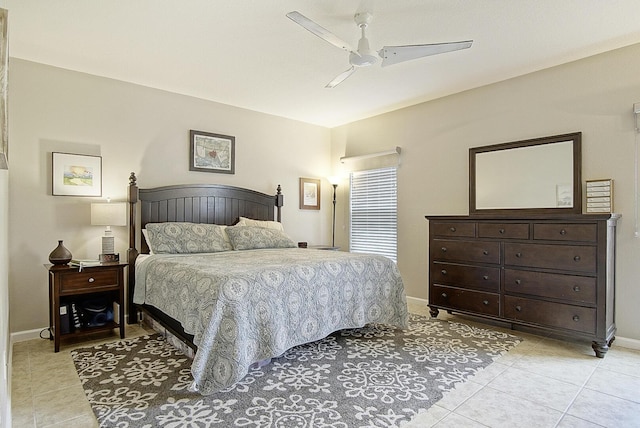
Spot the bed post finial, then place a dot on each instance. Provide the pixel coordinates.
(279, 202)
(132, 252)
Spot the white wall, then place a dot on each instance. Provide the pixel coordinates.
(594, 96)
(138, 129)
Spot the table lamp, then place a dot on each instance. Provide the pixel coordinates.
(108, 214)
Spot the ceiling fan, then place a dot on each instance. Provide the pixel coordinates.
(364, 56)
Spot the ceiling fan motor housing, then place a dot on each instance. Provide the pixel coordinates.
(366, 56)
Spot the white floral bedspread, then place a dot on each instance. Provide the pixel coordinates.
(246, 306)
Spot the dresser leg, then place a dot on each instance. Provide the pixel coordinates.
(434, 312)
(601, 348)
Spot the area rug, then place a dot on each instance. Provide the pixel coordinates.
(375, 376)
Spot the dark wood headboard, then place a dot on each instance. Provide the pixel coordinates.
(194, 203)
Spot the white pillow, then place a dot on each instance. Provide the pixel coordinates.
(146, 239)
(244, 221)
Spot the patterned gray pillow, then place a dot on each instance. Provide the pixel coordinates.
(251, 237)
(187, 238)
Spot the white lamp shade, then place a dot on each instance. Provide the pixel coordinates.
(109, 214)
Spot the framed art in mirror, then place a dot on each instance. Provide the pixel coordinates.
(536, 176)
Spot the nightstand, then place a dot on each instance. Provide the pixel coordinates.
(94, 294)
(323, 247)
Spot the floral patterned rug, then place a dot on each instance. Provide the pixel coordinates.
(374, 376)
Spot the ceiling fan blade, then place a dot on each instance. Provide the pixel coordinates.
(341, 77)
(319, 31)
(394, 54)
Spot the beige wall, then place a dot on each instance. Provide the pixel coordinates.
(145, 130)
(594, 96)
(139, 129)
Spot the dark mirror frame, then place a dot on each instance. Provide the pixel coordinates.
(575, 137)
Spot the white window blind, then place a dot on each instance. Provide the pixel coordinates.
(374, 212)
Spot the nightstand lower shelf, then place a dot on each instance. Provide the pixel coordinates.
(85, 302)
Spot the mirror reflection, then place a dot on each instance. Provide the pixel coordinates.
(541, 175)
(525, 177)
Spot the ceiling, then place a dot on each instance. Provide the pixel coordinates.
(246, 53)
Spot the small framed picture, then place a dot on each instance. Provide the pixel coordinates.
(212, 152)
(309, 194)
(76, 175)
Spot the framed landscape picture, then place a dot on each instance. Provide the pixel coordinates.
(76, 175)
(212, 152)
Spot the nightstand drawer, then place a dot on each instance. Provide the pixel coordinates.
(89, 279)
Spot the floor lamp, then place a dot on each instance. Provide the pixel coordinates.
(334, 182)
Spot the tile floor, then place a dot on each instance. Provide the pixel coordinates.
(543, 382)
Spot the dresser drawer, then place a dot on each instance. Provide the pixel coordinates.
(566, 257)
(579, 289)
(550, 314)
(504, 230)
(462, 229)
(461, 299)
(89, 280)
(465, 251)
(565, 232)
(475, 277)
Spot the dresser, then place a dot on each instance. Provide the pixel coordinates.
(556, 274)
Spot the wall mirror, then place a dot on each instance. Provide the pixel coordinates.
(538, 176)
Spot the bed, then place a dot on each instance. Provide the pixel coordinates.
(227, 280)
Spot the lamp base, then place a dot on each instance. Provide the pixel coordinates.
(109, 258)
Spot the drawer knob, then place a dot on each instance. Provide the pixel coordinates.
(501, 231)
(485, 277)
(453, 229)
(576, 318)
(485, 252)
(91, 280)
(576, 288)
(563, 232)
(444, 295)
(519, 308)
(444, 249)
(518, 255)
(485, 302)
(518, 282)
(576, 258)
(443, 271)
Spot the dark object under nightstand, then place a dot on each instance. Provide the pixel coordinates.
(94, 296)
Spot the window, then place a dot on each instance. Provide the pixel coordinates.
(374, 212)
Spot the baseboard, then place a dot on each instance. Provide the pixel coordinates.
(417, 301)
(625, 342)
(21, 336)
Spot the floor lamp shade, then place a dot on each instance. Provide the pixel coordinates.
(109, 214)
